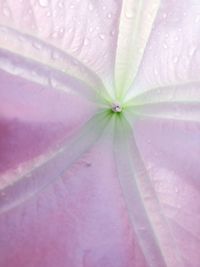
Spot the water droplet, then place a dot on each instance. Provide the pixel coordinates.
(130, 13)
(104, 7)
(165, 46)
(102, 36)
(54, 34)
(175, 59)
(33, 73)
(109, 15)
(112, 32)
(191, 50)
(75, 62)
(90, 7)
(176, 38)
(60, 4)
(156, 71)
(71, 6)
(140, 50)
(53, 83)
(70, 30)
(197, 19)
(48, 14)
(61, 30)
(37, 45)
(86, 42)
(55, 55)
(44, 3)
(33, 27)
(6, 12)
(54, 13)
(164, 15)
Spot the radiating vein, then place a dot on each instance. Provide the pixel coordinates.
(31, 58)
(166, 111)
(43, 171)
(182, 93)
(136, 20)
(146, 217)
(176, 103)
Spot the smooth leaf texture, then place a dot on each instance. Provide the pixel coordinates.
(99, 133)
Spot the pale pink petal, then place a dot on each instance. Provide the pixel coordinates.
(85, 30)
(145, 213)
(172, 55)
(180, 103)
(170, 152)
(79, 221)
(46, 65)
(137, 206)
(165, 118)
(135, 25)
(33, 127)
